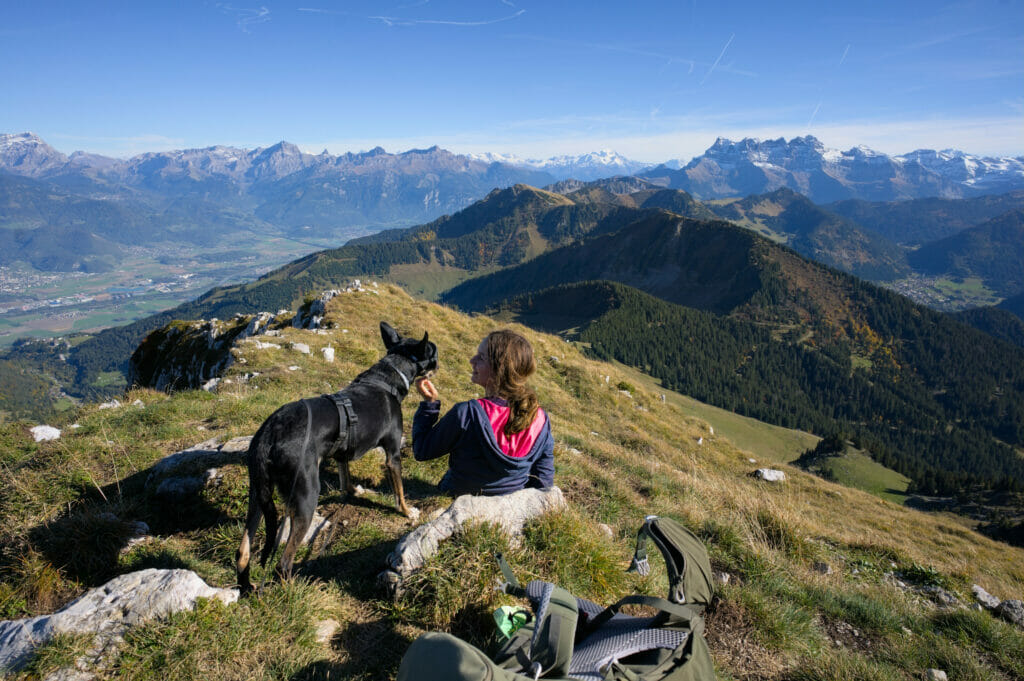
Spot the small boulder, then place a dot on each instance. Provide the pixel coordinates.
(721, 577)
(301, 347)
(45, 433)
(984, 598)
(935, 675)
(940, 596)
(822, 568)
(326, 629)
(769, 475)
(328, 354)
(1012, 611)
(317, 525)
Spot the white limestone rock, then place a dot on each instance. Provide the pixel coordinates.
(108, 611)
(45, 433)
(509, 512)
(182, 474)
(769, 475)
(987, 600)
(311, 316)
(317, 525)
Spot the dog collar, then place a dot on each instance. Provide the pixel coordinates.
(397, 371)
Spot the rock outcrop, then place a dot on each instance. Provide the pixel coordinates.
(509, 512)
(186, 355)
(183, 474)
(108, 612)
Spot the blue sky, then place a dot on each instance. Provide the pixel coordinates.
(652, 80)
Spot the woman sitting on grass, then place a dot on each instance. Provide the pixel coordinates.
(498, 444)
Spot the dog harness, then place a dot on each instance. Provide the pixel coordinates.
(347, 420)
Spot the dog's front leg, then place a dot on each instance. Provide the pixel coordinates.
(393, 470)
(345, 480)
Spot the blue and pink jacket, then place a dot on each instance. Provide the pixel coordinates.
(482, 458)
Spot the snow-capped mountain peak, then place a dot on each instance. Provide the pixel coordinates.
(26, 154)
(593, 165)
(804, 164)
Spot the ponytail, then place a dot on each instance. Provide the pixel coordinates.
(511, 360)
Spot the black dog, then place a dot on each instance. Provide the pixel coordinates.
(287, 449)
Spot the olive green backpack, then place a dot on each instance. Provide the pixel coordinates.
(573, 638)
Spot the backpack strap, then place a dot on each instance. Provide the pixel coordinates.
(665, 608)
(511, 584)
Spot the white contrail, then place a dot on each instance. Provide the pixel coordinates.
(722, 54)
(391, 21)
(811, 119)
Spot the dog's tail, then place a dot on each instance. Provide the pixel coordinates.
(261, 504)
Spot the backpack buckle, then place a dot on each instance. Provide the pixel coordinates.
(641, 566)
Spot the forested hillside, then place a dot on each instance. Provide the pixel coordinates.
(919, 221)
(992, 251)
(996, 322)
(927, 402)
(818, 234)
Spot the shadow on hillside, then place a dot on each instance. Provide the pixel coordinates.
(87, 539)
(355, 571)
(374, 649)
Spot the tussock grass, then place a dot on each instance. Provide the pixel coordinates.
(269, 636)
(65, 507)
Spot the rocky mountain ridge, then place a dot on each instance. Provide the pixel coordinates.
(804, 164)
(594, 165)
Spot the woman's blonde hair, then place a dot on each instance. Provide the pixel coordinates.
(510, 357)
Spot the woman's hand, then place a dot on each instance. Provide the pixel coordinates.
(427, 390)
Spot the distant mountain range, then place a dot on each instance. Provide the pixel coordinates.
(63, 213)
(199, 196)
(592, 166)
(805, 165)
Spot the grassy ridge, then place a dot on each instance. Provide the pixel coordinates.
(618, 458)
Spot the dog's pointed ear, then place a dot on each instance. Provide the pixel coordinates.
(421, 349)
(390, 336)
